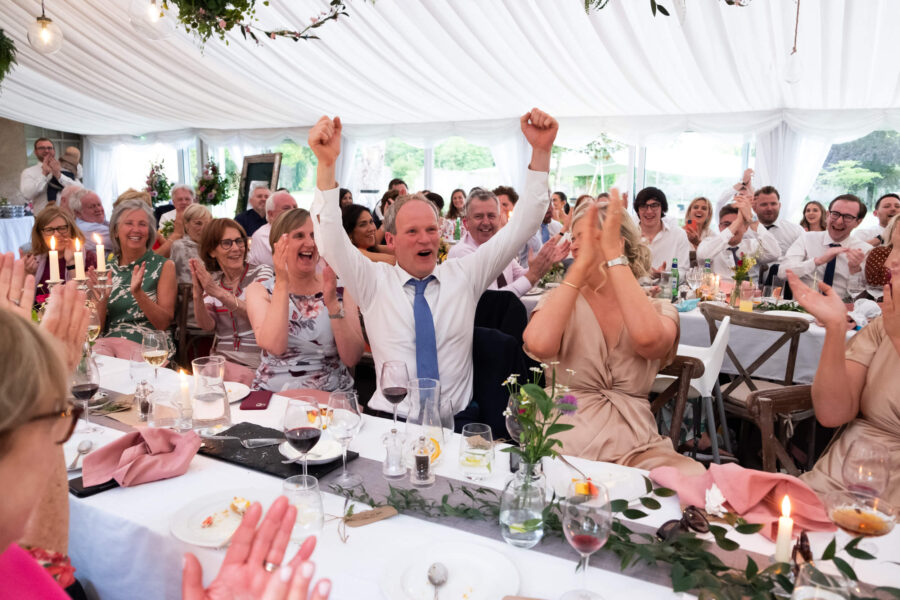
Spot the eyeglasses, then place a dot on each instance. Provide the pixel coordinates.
(692, 518)
(836, 216)
(71, 413)
(651, 206)
(44, 148)
(226, 244)
(57, 230)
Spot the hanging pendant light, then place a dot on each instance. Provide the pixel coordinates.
(148, 18)
(44, 35)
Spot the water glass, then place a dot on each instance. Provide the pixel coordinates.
(867, 468)
(302, 492)
(344, 422)
(210, 400)
(665, 285)
(813, 584)
(476, 451)
(138, 370)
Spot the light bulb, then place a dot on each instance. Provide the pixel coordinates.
(45, 36)
(149, 20)
(153, 11)
(793, 68)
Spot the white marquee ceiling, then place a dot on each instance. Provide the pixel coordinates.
(434, 61)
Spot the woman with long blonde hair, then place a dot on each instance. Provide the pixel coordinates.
(612, 354)
(697, 219)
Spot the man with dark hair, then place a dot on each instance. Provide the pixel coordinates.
(767, 206)
(726, 249)
(507, 197)
(665, 241)
(42, 183)
(886, 207)
(399, 185)
(833, 255)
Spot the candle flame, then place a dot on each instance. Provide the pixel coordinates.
(53, 243)
(77, 245)
(98, 239)
(786, 507)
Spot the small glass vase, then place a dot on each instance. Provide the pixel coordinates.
(735, 299)
(522, 507)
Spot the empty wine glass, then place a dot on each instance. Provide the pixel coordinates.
(155, 350)
(302, 425)
(694, 278)
(587, 519)
(85, 382)
(394, 383)
(867, 468)
(344, 423)
(856, 285)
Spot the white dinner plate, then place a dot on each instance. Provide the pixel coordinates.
(236, 391)
(790, 313)
(622, 483)
(325, 451)
(186, 523)
(474, 572)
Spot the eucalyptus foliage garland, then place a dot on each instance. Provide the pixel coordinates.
(7, 55)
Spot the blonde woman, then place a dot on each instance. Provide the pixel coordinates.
(615, 353)
(54, 223)
(697, 220)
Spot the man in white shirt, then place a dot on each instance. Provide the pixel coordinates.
(418, 311)
(767, 205)
(886, 207)
(41, 183)
(260, 248)
(482, 223)
(182, 197)
(90, 218)
(666, 241)
(830, 256)
(730, 245)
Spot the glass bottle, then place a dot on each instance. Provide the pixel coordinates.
(393, 466)
(422, 475)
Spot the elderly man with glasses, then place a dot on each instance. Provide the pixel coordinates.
(833, 255)
(42, 183)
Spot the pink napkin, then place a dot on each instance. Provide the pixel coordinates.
(754, 495)
(149, 454)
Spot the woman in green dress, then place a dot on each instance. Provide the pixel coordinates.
(142, 297)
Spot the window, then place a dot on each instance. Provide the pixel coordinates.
(594, 168)
(868, 167)
(459, 164)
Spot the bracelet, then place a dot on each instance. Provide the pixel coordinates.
(572, 285)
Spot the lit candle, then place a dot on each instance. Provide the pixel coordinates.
(53, 259)
(79, 260)
(185, 389)
(101, 254)
(785, 530)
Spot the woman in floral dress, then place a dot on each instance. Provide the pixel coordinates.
(308, 331)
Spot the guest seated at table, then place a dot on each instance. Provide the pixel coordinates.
(142, 297)
(196, 218)
(54, 222)
(730, 245)
(600, 324)
(260, 251)
(833, 255)
(90, 218)
(876, 274)
(482, 223)
(857, 382)
(360, 226)
(561, 207)
(221, 277)
(182, 197)
(346, 198)
(508, 197)
(665, 241)
(65, 197)
(255, 216)
(308, 329)
(813, 216)
(698, 218)
(387, 199)
(457, 208)
(885, 209)
(603, 197)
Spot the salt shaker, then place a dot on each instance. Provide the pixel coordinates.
(422, 475)
(393, 466)
(142, 394)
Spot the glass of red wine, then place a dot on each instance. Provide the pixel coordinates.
(587, 518)
(85, 385)
(302, 425)
(394, 383)
(867, 468)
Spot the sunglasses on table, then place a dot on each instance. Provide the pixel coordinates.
(692, 519)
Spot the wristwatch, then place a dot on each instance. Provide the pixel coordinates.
(338, 315)
(620, 260)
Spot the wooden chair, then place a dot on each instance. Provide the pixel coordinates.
(774, 412)
(185, 338)
(683, 369)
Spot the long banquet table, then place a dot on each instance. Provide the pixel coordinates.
(121, 545)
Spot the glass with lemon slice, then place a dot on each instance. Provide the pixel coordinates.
(476, 451)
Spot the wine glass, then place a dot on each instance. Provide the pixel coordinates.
(867, 468)
(695, 278)
(85, 384)
(856, 285)
(587, 519)
(93, 331)
(394, 383)
(155, 350)
(344, 423)
(302, 425)
(812, 583)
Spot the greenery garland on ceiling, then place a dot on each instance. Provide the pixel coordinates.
(7, 55)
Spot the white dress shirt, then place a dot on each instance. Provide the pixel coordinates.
(801, 256)
(715, 247)
(89, 228)
(784, 232)
(33, 185)
(671, 242)
(868, 233)
(260, 250)
(386, 301)
(166, 217)
(516, 281)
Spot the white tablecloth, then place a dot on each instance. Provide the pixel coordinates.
(121, 545)
(14, 233)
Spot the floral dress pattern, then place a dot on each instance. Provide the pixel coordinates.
(311, 360)
(124, 318)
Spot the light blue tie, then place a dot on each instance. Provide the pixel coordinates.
(426, 344)
(545, 233)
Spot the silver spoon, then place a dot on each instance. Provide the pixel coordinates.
(437, 576)
(84, 446)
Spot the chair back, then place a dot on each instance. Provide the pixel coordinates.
(185, 291)
(683, 369)
(765, 406)
(791, 328)
(503, 311)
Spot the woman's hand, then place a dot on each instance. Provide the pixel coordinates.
(243, 573)
(202, 279)
(66, 318)
(69, 255)
(137, 278)
(16, 288)
(329, 290)
(829, 309)
(610, 237)
(280, 260)
(693, 234)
